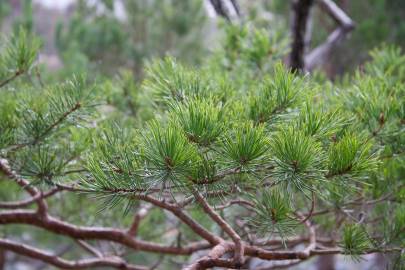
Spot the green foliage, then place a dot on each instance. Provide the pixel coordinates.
(350, 155)
(8, 120)
(167, 80)
(240, 116)
(387, 61)
(273, 215)
(320, 124)
(355, 240)
(275, 95)
(115, 164)
(246, 46)
(201, 120)
(146, 30)
(393, 229)
(19, 53)
(298, 159)
(244, 146)
(168, 154)
(261, 47)
(60, 105)
(42, 164)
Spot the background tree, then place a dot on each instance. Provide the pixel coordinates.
(146, 30)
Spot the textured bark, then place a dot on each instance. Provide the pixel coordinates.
(301, 11)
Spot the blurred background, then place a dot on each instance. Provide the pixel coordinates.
(103, 37)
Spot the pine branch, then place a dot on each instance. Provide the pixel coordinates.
(57, 122)
(239, 247)
(212, 259)
(308, 216)
(89, 248)
(141, 214)
(47, 130)
(29, 201)
(11, 78)
(34, 192)
(54, 260)
(178, 212)
(60, 227)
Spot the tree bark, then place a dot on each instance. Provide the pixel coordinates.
(301, 11)
(320, 54)
(220, 9)
(2, 258)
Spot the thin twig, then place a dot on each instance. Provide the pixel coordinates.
(12, 77)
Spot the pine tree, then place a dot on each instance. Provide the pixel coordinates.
(149, 29)
(240, 160)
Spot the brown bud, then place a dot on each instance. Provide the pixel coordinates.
(381, 119)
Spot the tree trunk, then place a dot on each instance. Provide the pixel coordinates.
(301, 12)
(2, 259)
(220, 9)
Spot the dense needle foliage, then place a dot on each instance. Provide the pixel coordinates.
(241, 139)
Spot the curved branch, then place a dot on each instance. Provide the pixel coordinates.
(211, 259)
(29, 201)
(178, 212)
(345, 25)
(34, 192)
(233, 202)
(311, 211)
(141, 214)
(54, 260)
(11, 78)
(239, 247)
(81, 232)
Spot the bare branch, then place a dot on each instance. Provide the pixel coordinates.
(11, 78)
(319, 55)
(34, 192)
(57, 226)
(29, 201)
(178, 212)
(236, 7)
(52, 259)
(137, 220)
(239, 247)
(86, 246)
(233, 202)
(312, 208)
(217, 252)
